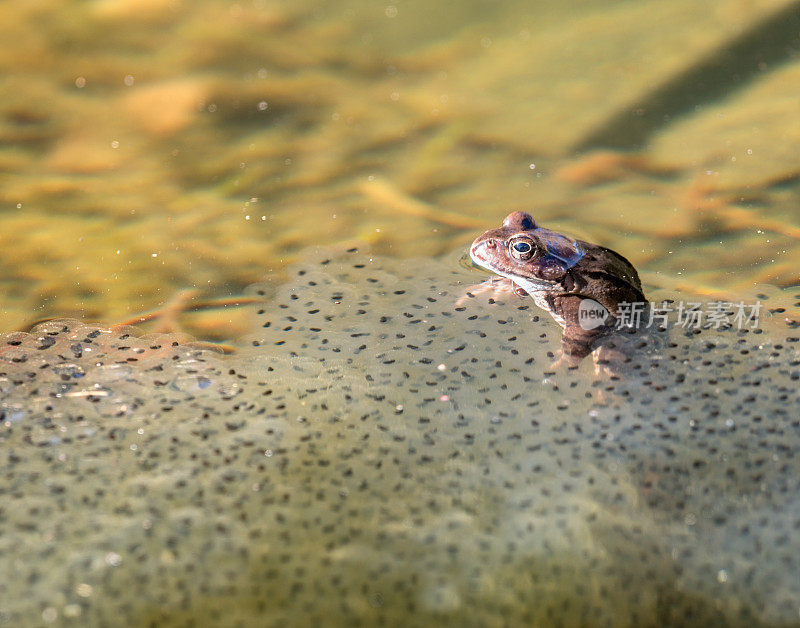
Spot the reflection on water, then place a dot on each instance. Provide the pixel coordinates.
(371, 452)
(152, 147)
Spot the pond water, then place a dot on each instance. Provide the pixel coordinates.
(374, 450)
(153, 147)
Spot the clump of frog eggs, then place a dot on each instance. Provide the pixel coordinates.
(64, 366)
(375, 454)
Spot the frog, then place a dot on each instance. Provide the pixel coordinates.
(580, 284)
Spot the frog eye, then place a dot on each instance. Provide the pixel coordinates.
(521, 249)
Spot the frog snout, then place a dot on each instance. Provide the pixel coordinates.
(482, 251)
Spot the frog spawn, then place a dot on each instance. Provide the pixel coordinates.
(374, 453)
(62, 364)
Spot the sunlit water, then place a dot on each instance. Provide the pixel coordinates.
(377, 453)
(149, 147)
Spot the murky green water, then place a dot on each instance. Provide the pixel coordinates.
(151, 147)
(158, 151)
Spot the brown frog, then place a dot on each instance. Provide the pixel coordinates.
(580, 284)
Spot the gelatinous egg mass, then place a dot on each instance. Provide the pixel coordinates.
(375, 453)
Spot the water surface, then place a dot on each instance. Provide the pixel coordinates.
(371, 452)
(150, 148)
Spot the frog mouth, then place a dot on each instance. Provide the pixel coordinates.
(530, 285)
(488, 261)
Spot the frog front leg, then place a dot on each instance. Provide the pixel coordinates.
(497, 287)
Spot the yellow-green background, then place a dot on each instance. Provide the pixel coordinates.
(137, 136)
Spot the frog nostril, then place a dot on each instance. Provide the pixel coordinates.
(491, 244)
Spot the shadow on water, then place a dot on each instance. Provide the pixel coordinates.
(760, 49)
